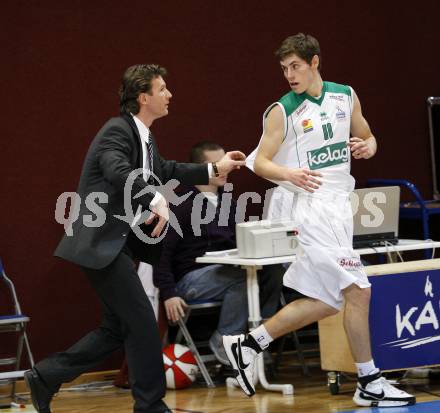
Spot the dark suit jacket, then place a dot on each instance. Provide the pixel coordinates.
(113, 154)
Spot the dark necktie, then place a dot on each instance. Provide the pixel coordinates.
(150, 154)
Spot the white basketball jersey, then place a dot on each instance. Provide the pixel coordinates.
(316, 135)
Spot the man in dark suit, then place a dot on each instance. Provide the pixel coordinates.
(106, 244)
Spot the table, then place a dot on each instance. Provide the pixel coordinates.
(405, 314)
(402, 245)
(252, 265)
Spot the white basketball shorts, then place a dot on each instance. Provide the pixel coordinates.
(327, 264)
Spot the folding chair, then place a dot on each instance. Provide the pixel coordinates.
(197, 307)
(15, 322)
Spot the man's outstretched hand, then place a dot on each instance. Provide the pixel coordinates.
(232, 160)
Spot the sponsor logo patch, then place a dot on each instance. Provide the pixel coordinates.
(307, 125)
(340, 98)
(350, 264)
(340, 114)
(301, 110)
(328, 156)
(324, 117)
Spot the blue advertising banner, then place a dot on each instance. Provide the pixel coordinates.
(404, 319)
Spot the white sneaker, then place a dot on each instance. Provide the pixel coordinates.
(380, 393)
(242, 360)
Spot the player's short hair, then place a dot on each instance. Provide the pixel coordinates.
(137, 79)
(303, 45)
(197, 154)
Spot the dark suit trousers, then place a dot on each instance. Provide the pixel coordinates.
(128, 320)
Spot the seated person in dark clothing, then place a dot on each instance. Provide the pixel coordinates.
(180, 278)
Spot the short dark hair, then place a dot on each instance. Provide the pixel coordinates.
(197, 154)
(303, 45)
(137, 79)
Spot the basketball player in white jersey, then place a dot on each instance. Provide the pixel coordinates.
(309, 137)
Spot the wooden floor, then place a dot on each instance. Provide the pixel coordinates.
(311, 395)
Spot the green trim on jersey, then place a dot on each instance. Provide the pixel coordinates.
(337, 88)
(291, 101)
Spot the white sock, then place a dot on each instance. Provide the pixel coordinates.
(367, 368)
(261, 336)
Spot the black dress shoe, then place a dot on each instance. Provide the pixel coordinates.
(166, 410)
(159, 407)
(40, 394)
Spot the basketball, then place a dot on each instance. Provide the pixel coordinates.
(180, 366)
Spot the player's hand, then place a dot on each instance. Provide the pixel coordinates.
(304, 178)
(161, 212)
(175, 308)
(360, 149)
(232, 160)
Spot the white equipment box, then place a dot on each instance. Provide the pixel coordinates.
(262, 239)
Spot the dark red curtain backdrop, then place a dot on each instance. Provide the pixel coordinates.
(61, 66)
